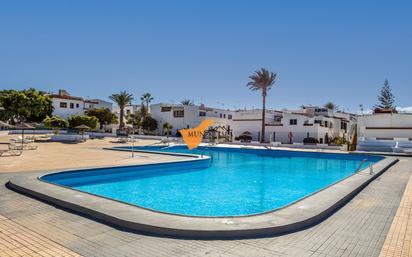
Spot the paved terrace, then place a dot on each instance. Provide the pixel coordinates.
(32, 228)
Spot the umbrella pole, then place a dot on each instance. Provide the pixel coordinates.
(22, 138)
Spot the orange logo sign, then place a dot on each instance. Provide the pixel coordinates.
(193, 136)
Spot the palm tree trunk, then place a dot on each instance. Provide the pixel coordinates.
(121, 117)
(262, 136)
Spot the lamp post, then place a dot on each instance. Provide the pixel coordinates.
(132, 146)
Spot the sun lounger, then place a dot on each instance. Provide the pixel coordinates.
(122, 140)
(14, 146)
(10, 152)
(20, 140)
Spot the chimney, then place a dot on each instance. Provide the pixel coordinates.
(63, 92)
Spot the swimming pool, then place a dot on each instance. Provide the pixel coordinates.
(233, 182)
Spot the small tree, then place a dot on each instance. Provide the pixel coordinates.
(56, 123)
(149, 124)
(104, 115)
(167, 127)
(89, 121)
(25, 105)
(386, 98)
(136, 118)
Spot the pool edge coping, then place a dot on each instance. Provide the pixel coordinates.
(163, 224)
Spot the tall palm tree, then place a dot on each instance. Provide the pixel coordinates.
(146, 98)
(167, 127)
(262, 80)
(121, 99)
(186, 102)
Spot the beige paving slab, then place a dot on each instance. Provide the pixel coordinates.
(54, 155)
(398, 241)
(17, 240)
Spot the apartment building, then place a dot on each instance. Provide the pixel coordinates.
(288, 126)
(188, 116)
(66, 105)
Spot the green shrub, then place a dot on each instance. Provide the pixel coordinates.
(89, 121)
(56, 123)
(104, 115)
(149, 124)
(339, 141)
(244, 137)
(310, 140)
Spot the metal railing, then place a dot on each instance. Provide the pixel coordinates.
(360, 165)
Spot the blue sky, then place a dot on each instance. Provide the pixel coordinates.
(338, 51)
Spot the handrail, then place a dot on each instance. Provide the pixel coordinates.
(360, 165)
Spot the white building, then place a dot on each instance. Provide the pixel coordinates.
(66, 105)
(281, 126)
(128, 109)
(385, 126)
(97, 104)
(188, 116)
(385, 131)
(293, 126)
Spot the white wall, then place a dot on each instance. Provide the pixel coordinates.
(279, 131)
(67, 112)
(385, 125)
(191, 116)
(97, 104)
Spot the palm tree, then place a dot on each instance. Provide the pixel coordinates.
(331, 106)
(146, 98)
(167, 127)
(122, 99)
(262, 80)
(186, 102)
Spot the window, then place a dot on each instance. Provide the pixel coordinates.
(77, 105)
(71, 105)
(343, 125)
(293, 122)
(278, 118)
(166, 109)
(202, 114)
(220, 115)
(128, 111)
(178, 113)
(229, 116)
(63, 105)
(224, 116)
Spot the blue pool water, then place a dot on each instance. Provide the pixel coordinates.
(233, 182)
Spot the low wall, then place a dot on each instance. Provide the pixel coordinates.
(316, 146)
(68, 138)
(152, 137)
(35, 131)
(100, 134)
